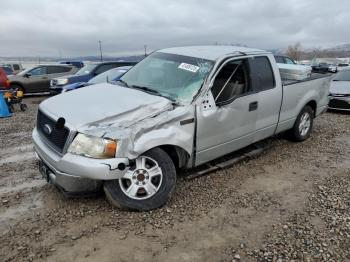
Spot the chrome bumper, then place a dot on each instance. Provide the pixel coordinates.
(75, 173)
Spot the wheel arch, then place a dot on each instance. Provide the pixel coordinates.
(18, 84)
(313, 105)
(177, 154)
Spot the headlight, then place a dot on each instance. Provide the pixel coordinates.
(61, 81)
(94, 147)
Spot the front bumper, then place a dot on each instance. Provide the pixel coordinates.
(339, 103)
(55, 90)
(75, 173)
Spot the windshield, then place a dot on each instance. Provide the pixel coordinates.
(86, 69)
(25, 71)
(175, 76)
(343, 76)
(109, 75)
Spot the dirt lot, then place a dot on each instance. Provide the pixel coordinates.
(290, 203)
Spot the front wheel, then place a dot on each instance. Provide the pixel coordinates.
(148, 184)
(303, 125)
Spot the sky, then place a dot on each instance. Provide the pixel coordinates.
(72, 28)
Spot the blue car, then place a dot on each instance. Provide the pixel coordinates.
(84, 74)
(113, 74)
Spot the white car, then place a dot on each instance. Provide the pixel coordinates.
(339, 97)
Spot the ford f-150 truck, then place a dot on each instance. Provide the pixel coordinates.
(176, 109)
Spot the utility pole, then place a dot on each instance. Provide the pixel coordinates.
(145, 47)
(99, 42)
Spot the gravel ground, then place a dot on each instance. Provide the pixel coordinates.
(290, 203)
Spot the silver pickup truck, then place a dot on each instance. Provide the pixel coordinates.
(177, 109)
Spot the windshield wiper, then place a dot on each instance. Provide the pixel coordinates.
(152, 91)
(123, 82)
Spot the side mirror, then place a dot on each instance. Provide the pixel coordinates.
(27, 75)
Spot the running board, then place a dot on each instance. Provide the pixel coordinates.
(211, 168)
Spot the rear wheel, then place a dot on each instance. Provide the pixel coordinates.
(18, 87)
(23, 107)
(303, 125)
(148, 184)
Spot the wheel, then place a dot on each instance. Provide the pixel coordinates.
(11, 108)
(18, 87)
(303, 125)
(23, 107)
(148, 184)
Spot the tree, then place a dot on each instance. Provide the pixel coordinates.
(294, 51)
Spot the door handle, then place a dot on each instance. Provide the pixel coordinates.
(253, 106)
(44, 77)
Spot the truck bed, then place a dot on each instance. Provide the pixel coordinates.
(313, 76)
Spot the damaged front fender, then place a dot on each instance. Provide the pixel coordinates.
(171, 125)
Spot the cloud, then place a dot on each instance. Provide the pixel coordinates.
(73, 28)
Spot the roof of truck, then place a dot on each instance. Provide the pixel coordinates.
(209, 52)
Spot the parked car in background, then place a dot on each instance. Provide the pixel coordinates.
(4, 82)
(332, 68)
(37, 79)
(343, 66)
(16, 67)
(284, 60)
(8, 70)
(339, 97)
(113, 74)
(321, 68)
(84, 74)
(178, 108)
(78, 64)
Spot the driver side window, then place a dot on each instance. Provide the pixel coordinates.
(38, 71)
(231, 82)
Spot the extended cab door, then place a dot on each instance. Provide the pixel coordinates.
(267, 84)
(226, 119)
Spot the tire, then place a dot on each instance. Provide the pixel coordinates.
(18, 87)
(147, 185)
(23, 107)
(303, 125)
(11, 109)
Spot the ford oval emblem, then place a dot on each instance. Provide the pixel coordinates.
(47, 129)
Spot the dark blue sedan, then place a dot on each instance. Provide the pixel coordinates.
(85, 74)
(110, 75)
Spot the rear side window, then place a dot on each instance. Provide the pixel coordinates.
(262, 74)
(289, 61)
(57, 69)
(38, 71)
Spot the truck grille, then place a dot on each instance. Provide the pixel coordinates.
(341, 104)
(55, 137)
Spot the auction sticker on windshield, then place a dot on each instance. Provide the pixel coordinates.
(188, 67)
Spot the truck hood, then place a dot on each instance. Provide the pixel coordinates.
(104, 104)
(340, 87)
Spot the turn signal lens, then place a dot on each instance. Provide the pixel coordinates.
(110, 149)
